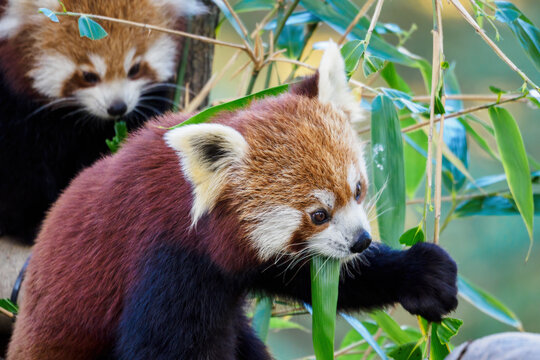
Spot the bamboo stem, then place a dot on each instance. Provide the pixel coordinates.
(374, 19)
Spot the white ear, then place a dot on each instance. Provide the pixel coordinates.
(20, 12)
(333, 87)
(183, 7)
(207, 152)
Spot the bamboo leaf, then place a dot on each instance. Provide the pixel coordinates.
(439, 351)
(120, 134)
(486, 303)
(358, 326)
(253, 5)
(409, 351)
(49, 13)
(516, 166)
(391, 328)
(412, 236)
(324, 295)
(261, 317)
(208, 113)
(352, 52)
(90, 29)
(9, 306)
(479, 140)
(227, 13)
(447, 329)
(284, 323)
(492, 205)
(296, 18)
(388, 169)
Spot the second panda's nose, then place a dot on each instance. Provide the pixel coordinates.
(362, 242)
(117, 108)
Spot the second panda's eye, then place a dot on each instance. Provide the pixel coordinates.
(90, 77)
(134, 70)
(319, 217)
(358, 191)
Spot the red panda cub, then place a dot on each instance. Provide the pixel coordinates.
(150, 253)
(60, 94)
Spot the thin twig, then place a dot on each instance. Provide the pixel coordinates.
(355, 21)
(374, 19)
(464, 97)
(236, 18)
(9, 314)
(370, 349)
(157, 28)
(462, 112)
(490, 42)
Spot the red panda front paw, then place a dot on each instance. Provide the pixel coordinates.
(429, 287)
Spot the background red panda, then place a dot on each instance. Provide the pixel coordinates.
(60, 93)
(149, 253)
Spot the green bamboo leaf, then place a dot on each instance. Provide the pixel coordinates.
(90, 29)
(516, 166)
(479, 139)
(363, 331)
(208, 113)
(527, 34)
(412, 236)
(339, 14)
(253, 5)
(392, 78)
(292, 39)
(371, 64)
(486, 303)
(296, 18)
(9, 306)
(261, 317)
(409, 351)
(447, 329)
(324, 295)
(352, 52)
(121, 133)
(438, 350)
(391, 328)
(415, 154)
(388, 169)
(493, 205)
(49, 13)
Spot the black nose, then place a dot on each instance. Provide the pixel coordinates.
(117, 108)
(362, 242)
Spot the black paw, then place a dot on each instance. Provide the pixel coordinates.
(429, 287)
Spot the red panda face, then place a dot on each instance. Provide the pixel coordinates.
(109, 77)
(290, 167)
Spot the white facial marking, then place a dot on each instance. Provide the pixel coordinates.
(274, 229)
(161, 57)
(352, 177)
(337, 239)
(129, 59)
(97, 99)
(327, 198)
(99, 64)
(333, 87)
(51, 71)
(207, 176)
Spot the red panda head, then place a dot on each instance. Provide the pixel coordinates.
(106, 77)
(290, 167)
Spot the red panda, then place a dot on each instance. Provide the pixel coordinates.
(150, 253)
(60, 93)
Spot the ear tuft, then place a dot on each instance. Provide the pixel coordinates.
(309, 86)
(184, 7)
(207, 153)
(333, 86)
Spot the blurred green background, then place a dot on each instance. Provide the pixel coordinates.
(490, 251)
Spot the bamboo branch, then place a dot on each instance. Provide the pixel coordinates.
(158, 28)
(374, 19)
(490, 42)
(438, 160)
(355, 21)
(9, 314)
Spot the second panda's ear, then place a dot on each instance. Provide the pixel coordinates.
(333, 85)
(207, 152)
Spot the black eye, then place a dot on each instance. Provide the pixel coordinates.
(134, 70)
(358, 191)
(90, 77)
(319, 217)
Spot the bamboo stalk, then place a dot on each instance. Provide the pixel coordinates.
(355, 21)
